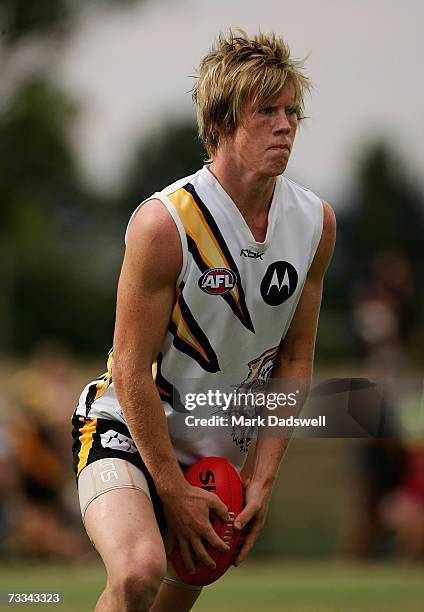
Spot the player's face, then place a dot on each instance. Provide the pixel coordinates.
(264, 139)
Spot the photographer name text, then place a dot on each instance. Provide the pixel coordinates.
(269, 420)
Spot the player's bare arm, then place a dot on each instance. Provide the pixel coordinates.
(295, 362)
(146, 295)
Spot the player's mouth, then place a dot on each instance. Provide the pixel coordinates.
(281, 148)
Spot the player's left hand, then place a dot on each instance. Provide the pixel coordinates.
(252, 518)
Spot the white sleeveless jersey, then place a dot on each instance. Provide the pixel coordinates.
(235, 300)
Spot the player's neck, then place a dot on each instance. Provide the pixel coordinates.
(252, 194)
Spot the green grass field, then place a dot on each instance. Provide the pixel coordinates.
(256, 587)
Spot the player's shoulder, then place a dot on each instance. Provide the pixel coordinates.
(329, 219)
(298, 189)
(152, 216)
(153, 245)
(305, 201)
(180, 183)
(151, 221)
(323, 206)
(327, 241)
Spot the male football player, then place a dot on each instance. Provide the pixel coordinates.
(221, 281)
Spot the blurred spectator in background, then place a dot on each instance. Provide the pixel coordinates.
(403, 510)
(382, 313)
(389, 473)
(41, 397)
(8, 488)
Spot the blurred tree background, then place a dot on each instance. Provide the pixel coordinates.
(61, 242)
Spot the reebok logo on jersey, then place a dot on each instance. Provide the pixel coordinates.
(117, 441)
(217, 281)
(279, 283)
(251, 254)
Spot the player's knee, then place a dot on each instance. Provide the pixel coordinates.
(136, 583)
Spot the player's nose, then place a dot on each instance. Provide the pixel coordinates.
(282, 124)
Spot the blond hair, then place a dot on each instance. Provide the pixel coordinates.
(240, 69)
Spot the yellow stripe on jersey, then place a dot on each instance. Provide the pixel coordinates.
(208, 246)
(167, 392)
(196, 227)
(154, 369)
(155, 374)
(87, 432)
(183, 332)
(107, 377)
(199, 231)
(189, 338)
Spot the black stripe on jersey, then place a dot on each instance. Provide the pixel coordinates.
(76, 444)
(241, 313)
(211, 363)
(99, 386)
(192, 247)
(168, 393)
(90, 397)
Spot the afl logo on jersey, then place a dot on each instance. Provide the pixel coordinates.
(217, 281)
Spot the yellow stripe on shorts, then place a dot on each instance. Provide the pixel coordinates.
(87, 432)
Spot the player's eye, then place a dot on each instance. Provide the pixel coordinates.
(291, 110)
(267, 110)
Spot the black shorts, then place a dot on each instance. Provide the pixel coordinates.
(95, 439)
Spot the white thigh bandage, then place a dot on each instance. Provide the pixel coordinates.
(105, 475)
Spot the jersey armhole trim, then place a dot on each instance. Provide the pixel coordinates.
(172, 211)
(318, 230)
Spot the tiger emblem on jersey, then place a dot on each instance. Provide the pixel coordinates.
(259, 371)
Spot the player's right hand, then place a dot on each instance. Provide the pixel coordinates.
(187, 512)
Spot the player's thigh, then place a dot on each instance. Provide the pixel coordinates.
(122, 525)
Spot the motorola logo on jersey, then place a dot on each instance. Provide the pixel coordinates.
(217, 281)
(279, 283)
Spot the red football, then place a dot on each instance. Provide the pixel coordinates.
(217, 475)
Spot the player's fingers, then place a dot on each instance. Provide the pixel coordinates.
(219, 507)
(246, 515)
(214, 540)
(186, 555)
(202, 553)
(247, 539)
(238, 547)
(246, 547)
